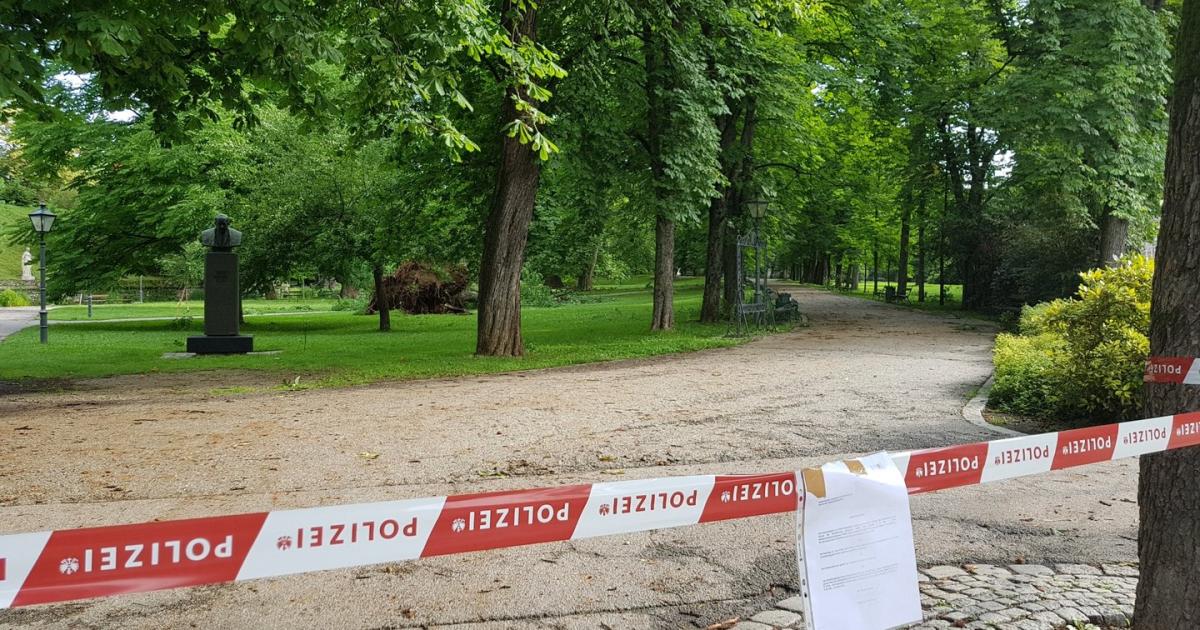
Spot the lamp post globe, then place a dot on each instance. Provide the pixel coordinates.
(43, 222)
(757, 208)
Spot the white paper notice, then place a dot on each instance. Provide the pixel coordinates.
(858, 568)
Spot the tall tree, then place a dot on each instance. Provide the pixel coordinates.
(1168, 594)
(499, 323)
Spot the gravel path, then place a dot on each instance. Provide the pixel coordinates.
(14, 318)
(865, 376)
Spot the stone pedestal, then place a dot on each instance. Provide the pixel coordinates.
(222, 308)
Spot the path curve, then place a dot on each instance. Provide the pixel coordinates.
(14, 318)
(863, 377)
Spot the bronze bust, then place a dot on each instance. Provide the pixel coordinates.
(221, 237)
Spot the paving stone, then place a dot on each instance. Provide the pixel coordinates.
(750, 625)
(1119, 569)
(1071, 615)
(1110, 617)
(992, 606)
(1031, 569)
(994, 617)
(794, 604)
(986, 569)
(1077, 569)
(941, 572)
(1048, 617)
(776, 617)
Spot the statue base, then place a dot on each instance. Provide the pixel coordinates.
(225, 344)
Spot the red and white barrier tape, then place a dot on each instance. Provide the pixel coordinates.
(75, 564)
(1184, 370)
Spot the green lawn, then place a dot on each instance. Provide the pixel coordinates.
(10, 255)
(953, 295)
(191, 308)
(340, 348)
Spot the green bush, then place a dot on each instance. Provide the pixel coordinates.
(534, 291)
(1026, 368)
(8, 297)
(1081, 357)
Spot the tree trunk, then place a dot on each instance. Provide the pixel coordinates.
(905, 236)
(710, 306)
(732, 283)
(1168, 593)
(499, 327)
(921, 258)
(586, 279)
(1114, 232)
(875, 253)
(381, 300)
(664, 275)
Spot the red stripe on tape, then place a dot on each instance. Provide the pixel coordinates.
(491, 520)
(949, 467)
(99, 561)
(1089, 445)
(742, 496)
(1167, 369)
(1185, 431)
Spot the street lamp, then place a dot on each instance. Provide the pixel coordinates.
(43, 221)
(757, 207)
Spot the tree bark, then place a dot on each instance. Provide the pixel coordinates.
(585, 281)
(732, 283)
(1114, 233)
(381, 300)
(664, 275)
(1168, 593)
(710, 305)
(905, 236)
(499, 326)
(663, 317)
(921, 258)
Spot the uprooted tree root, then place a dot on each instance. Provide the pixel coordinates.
(422, 289)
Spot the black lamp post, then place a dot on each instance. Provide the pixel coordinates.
(757, 208)
(43, 221)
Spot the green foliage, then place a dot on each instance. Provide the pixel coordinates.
(1083, 357)
(8, 297)
(534, 291)
(186, 268)
(354, 305)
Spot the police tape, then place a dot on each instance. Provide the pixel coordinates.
(1182, 370)
(74, 564)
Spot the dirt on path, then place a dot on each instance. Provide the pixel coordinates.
(863, 377)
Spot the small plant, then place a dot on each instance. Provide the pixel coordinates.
(8, 297)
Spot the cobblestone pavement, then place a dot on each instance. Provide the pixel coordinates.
(987, 597)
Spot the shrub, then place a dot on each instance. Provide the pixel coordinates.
(1081, 357)
(1026, 371)
(8, 297)
(534, 291)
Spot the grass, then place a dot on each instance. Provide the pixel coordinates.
(10, 255)
(341, 348)
(953, 295)
(191, 308)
